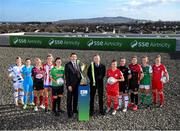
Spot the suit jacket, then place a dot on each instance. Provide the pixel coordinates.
(72, 76)
(99, 73)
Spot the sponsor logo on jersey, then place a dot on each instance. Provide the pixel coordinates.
(39, 76)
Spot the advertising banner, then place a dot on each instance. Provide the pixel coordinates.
(106, 44)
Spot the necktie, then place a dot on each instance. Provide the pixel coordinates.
(75, 65)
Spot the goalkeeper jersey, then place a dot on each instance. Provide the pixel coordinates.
(56, 71)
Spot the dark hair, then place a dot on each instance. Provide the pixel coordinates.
(122, 58)
(144, 56)
(158, 56)
(134, 56)
(57, 58)
(27, 59)
(72, 54)
(96, 55)
(18, 57)
(113, 61)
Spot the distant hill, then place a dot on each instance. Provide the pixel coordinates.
(102, 20)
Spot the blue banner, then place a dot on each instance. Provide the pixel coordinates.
(84, 100)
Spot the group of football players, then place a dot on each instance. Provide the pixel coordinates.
(35, 82)
(130, 87)
(136, 81)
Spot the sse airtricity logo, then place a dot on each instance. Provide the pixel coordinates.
(83, 92)
(55, 42)
(134, 44)
(15, 40)
(90, 43)
(51, 41)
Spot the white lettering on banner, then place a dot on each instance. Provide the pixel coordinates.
(25, 41)
(118, 44)
(63, 42)
(71, 43)
(55, 42)
(101, 43)
(144, 44)
(83, 92)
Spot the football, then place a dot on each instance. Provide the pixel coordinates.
(60, 81)
(111, 80)
(164, 79)
(11, 74)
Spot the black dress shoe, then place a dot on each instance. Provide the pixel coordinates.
(61, 111)
(56, 113)
(70, 116)
(91, 113)
(46, 110)
(102, 113)
(76, 111)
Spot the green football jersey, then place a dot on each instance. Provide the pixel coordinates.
(147, 70)
(57, 71)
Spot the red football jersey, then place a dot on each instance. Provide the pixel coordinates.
(117, 74)
(158, 72)
(136, 71)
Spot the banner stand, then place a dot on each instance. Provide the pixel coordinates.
(83, 102)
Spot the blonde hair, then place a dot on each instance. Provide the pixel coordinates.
(40, 62)
(50, 55)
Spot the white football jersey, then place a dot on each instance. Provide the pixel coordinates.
(15, 72)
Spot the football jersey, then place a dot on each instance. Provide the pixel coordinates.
(117, 74)
(136, 71)
(15, 72)
(125, 71)
(47, 68)
(37, 74)
(27, 73)
(56, 71)
(158, 72)
(147, 70)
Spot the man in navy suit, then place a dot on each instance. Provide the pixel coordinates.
(73, 78)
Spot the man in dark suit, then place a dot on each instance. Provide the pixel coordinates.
(73, 78)
(96, 73)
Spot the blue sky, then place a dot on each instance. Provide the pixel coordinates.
(52, 10)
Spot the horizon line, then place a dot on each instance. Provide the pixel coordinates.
(10, 21)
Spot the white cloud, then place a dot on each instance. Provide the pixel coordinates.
(141, 8)
(142, 3)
